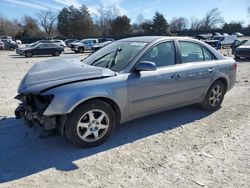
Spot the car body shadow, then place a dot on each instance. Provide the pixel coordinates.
(23, 153)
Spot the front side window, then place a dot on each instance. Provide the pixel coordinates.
(162, 55)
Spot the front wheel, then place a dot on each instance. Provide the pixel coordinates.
(81, 50)
(12, 48)
(214, 96)
(91, 124)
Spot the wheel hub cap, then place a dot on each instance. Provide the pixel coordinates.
(93, 125)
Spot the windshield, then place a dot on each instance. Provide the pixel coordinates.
(33, 44)
(246, 43)
(115, 56)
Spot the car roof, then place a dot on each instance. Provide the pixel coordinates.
(149, 39)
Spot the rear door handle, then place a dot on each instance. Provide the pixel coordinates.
(210, 69)
(176, 76)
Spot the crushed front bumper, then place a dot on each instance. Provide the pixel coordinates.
(31, 109)
(24, 112)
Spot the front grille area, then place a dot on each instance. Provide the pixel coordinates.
(37, 103)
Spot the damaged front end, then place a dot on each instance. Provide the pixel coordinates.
(31, 109)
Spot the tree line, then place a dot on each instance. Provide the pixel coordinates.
(78, 23)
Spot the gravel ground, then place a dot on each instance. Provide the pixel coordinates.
(186, 147)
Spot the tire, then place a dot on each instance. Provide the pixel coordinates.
(28, 54)
(86, 131)
(12, 48)
(56, 53)
(214, 96)
(81, 50)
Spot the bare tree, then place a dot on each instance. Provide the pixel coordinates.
(47, 20)
(178, 24)
(212, 19)
(105, 18)
(195, 24)
(9, 27)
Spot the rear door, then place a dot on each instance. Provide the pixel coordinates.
(199, 68)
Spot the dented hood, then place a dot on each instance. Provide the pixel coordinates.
(52, 73)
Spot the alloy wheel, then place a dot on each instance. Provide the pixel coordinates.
(215, 95)
(93, 125)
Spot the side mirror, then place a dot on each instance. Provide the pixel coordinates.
(146, 66)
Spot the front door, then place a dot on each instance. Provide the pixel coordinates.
(154, 90)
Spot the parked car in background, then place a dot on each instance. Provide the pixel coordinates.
(224, 40)
(236, 44)
(101, 40)
(68, 41)
(40, 49)
(216, 34)
(242, 51)
(83, 45)
(59, 42)
(97, 47)
(9, 44)
(128, 79)
(238, 34)
(6, 37)
(18, 41)
(204, 36)
(1, 45)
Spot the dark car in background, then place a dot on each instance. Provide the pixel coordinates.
(9, 44)
(236, 44)
(40, 49)
(243, 51)
(39, 41)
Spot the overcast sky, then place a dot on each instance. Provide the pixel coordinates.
(231, 10)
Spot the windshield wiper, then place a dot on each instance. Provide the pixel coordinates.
(112, 62)
(116, 52)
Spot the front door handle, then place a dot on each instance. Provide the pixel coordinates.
(210, 69)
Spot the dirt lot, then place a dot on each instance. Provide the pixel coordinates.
(187, 147)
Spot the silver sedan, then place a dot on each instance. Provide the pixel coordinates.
(128, 79)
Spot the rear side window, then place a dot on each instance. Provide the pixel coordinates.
(192, 52)
(207, 55)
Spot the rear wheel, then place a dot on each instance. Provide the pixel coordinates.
(91, 124)
(81, 50)
(56, 53)
(214, 96)
(12, 48)
(28, 54)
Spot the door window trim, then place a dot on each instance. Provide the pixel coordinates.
(156, 44)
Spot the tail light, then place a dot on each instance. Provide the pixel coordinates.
(234, 66)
